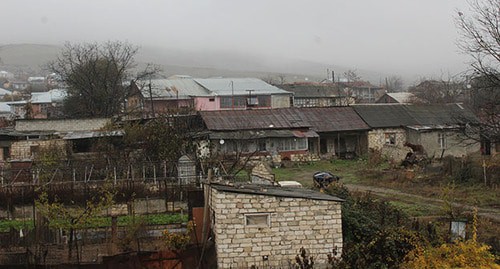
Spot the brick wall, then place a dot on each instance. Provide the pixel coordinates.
(293, 223)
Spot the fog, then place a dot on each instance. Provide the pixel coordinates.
(401, 37)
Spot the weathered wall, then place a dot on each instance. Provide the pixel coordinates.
(278, 101)
(61, 125)
(455, 144)
(294, 223)
(376, 137)
(377, 141)
(25, 149)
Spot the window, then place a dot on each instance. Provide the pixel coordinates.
(258, 220)
(287, 144)
(442, 141)
(252, 101)
(34, 149)
(211, 99)
(233, 102)
(6, 153)
(262, 145)
(390, 138)
(264, 101)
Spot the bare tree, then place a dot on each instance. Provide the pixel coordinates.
(352, 75)
(95, 75)
(480, 39)
(394, 84)
(442, 91)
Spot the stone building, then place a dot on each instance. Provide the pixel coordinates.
(437, 129)
(256, 225)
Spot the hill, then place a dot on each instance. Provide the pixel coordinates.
(30, 59)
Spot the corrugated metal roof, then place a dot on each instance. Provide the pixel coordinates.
(333, 119)
(261, 134)
(4, 91)
(4, 107)
(440, 115)
(278, 191)
(401, 97)
(52, 96)
(258, 119)
(394, 115)
(319, 119)
(385, 115)
(173, 88)
(92, 134)
(239, 86)
(308, 90)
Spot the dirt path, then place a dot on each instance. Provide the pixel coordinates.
(491, 213)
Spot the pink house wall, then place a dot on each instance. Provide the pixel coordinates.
(204, 103)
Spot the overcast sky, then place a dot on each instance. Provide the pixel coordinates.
(393, 36)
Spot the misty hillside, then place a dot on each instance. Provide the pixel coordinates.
(30, 58)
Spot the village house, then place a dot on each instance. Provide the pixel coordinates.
(342, 133)
(313, 94)
(291, 133)
(6, 75)
(28, 137)
(396, 98)
(362, 91)
(440, 130)
(260, 226)
(387, 128)
(16, 85)
(37, 84)
(435, 129)
(184, 92)
(277, 133)
(241, 93)
(41, 105)
(163, 95)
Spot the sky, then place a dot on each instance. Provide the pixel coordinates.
(393, 36)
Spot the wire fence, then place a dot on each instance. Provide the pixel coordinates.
(27, 172)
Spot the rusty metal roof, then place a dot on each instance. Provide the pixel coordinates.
(258, 119)
(319, 119)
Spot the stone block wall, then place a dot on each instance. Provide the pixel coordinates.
(61, 125)
(376, 137)
(293, 223)
(25, 149)
(397, 151)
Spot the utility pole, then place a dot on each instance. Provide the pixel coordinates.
(232, 94)
(151, 98)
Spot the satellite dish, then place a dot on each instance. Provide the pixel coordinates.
(221, 141)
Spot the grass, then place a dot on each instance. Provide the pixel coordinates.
(346, 169)
(99, 222)
(386, 175)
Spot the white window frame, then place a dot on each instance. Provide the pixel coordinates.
(442, 140)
